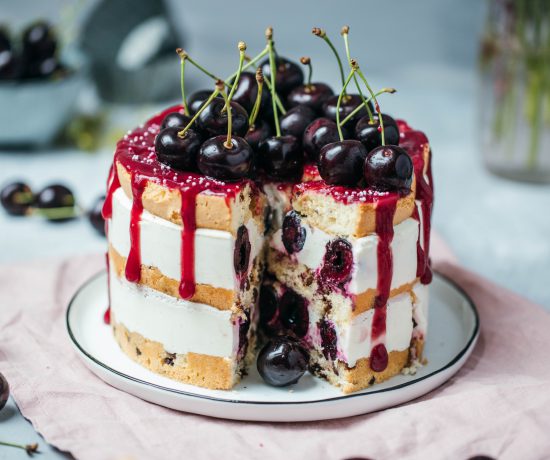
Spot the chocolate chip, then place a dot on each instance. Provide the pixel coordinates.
(372, 381)
(169, 360)
(138, 351)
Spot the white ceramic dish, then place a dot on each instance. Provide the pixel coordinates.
(453, 332)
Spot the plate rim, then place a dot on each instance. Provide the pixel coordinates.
(162, 388)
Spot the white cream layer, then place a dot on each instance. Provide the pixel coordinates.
(365, 269)
(180, 326)
(354, 339)
(161, 245)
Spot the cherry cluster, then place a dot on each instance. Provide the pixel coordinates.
(34, 55)
(238, 130)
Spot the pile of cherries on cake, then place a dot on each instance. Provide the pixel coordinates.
(239, 131)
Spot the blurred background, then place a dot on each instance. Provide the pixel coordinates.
(474, 75)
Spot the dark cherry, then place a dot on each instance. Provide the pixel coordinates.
(389, 168)
(213, 121)
(337, 262)
(40, 69)
(293, 234)
(368, 133)
(4, 391)
(349, 103)
(178, 152)
(247, 91)
(56, 202)
(282, 158)
(95, 217)
(257, 133)
(294, 313)
(8, 64)
(241, 253)
(39, 42)
(282, 361)
(329, 340)
(295, 121)
(175, 120)
(379, 358)
(17, 198)
(197, 99)
(218, 161)
(5, 42)
(317, 134)
(341, 163)
(289, 74)
(244, 326)
(269, 302)
(312, 96)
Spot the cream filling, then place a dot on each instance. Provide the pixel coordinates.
(180, 326)
(161, 245)
(354, 338)
(365, 270)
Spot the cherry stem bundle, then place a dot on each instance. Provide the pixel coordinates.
(340, 96)
(183, 57)
(273, 71)
(345, 33)
(359, 107)
(376, 106)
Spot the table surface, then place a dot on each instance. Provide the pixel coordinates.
(496, 227)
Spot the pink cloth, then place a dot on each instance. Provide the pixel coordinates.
(498, 404)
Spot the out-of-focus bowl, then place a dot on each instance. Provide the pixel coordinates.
(32, 112)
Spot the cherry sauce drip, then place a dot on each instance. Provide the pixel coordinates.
(133, 263)
(385, 210)
(113, 183)
(187, 281)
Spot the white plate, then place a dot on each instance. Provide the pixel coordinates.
(453, 332)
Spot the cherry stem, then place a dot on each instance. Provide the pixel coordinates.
(228, 144)
(376, 106)
(340, 96)
(307, 61)
(257, 103)
(206, 104)
(359, 107)
(321, 33)
(250, 63)
(242, 49)
(278, 100)
(203, 70)
(345, 34)
(29, 448)
(183, 57)
(273, 71)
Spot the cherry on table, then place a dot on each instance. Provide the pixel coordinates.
(4, 391)
(282, 158)
(389, 168)
(295, 121)
(282, 361)
(220, 162)
(213, 119)
(95, 216)
(178, 151)
(348, 104)
(341, 163)
(369, 133)
(318, 133)
(56, 203)
(175, 120)
(258, 133)
(17, 198)
(39, 41)
(289, 75)
(312, 95)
